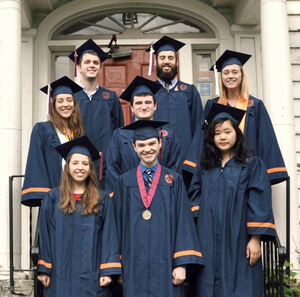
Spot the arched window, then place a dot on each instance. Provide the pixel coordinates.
(132, 22)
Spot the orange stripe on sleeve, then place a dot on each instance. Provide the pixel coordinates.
(261, 225)
(110, 265)
(47, 265)
(190, 163)
(187, 253)
(33, 190)
(195, 208)
(276, 169)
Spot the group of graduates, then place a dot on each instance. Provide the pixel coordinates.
(174, 204)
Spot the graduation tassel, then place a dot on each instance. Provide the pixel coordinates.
(161, 149)
(75, 64)
(101, 166)
(49, 99)
(216, 80)
(151, 60)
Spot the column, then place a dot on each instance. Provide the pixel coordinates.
(10, 124)
(277, 84)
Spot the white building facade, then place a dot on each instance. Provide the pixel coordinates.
(37, 35)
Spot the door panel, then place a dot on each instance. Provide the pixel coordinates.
(116, 74)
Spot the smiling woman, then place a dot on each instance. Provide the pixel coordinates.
(77, 265)
(44, 164)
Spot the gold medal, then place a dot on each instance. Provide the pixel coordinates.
(147, 214)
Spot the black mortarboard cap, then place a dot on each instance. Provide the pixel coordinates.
(63, 85)
(88, 47)
(80, 145)
(145, 129)
(138, 86)
(220, 111)
(229, 58)
(166, 43)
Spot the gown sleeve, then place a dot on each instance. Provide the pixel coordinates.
(110, 258)
(194, 192)
(36, 182)
(260, 218)
(113, 170)
(191, 160)
(171, 156)
(44, 224)
(186, 248)
(268, 148)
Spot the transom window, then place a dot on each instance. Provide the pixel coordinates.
(123, 23)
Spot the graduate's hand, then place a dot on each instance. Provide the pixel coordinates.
(178, 275)
(44, 279)
(253, 252)
(105, 280)
(120, 280)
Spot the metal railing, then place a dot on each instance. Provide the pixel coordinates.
(33, 247)
(273, 257)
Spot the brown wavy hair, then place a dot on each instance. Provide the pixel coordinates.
(75, 120)
(91, 197)
(244, 89)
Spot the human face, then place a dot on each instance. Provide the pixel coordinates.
(147, 150)
(166, 65)
(225, 137)
(79, 167)
(232, 76)
(64, 105)
(89, 67)
(143, 107)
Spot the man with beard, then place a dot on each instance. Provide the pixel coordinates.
(179, 104)
(100, 108)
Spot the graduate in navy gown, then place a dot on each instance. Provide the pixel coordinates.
(154, 221)
(256, 125)
(44, 164)
(78, 239)
(233, 194)
(100, 108)
(121, 156)
(178, 103)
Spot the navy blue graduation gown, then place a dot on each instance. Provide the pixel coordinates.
(44, 164)
(101, 116)
(182, 107)
(261, 138)
(121, 157)
(151, 249)
(75, 250)
(234, 203)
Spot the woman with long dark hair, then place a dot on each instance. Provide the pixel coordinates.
(256, 124)
(78, 238)
(44, 164)
(231, 194)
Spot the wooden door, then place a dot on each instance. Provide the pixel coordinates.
(117, 74)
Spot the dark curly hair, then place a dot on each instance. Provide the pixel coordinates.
(211, 155)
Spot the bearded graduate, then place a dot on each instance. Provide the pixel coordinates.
(78, 241)
(154, 221)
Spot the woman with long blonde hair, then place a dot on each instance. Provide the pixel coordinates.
(78, 239)
(44, 164)
(256, 124)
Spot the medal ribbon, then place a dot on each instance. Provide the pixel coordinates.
(148, 197)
